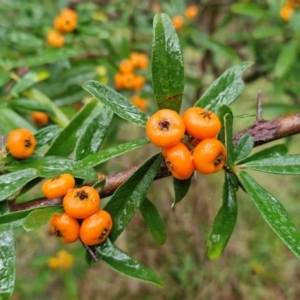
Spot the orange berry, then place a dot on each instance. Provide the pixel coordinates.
(65, 227)
(70, 13)
(138, 82)
(39, 118)
(139, 60)
(191, 12)
(201, 123)
(165, 128)
(126, 66)
(128, 80)
(58, 186)
(55, 39)
(96, 228)
(66, 21)
(209, 156)
(118, 79)
(21, 143)
(286, 12)
(177, 22)
(179, 161)
(140, 103)
(81, 203)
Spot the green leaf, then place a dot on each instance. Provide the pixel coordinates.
(243, 147)
(224, 221)
(273, 151)
(273, 212)
(181, 187)
(45, 135)
(40, 217)
(13, 219)
(167, 64)
(11, 183)
(225, 89)
(47, 56)
(125, 264)
(129, 196)
(104, 155)
(153, 221)
(286, 58)
(251, 10)
(51, 166)
(226, 135)
(285, 165)
(7, 258)
(64, 144)
(27, 105)
(120, 105)
(92, 136)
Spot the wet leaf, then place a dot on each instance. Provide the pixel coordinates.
(153, 221)
(167, 64)
(225, 89)
(128, 198)
(224, 221)
(273, 212)
(40, 217)
(120, 105)
(125, 264)
(11, 183)
(45, 135)
(243, 147)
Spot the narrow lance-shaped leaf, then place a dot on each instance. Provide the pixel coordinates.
(153, 221)
(167, 64)
(273, 212)
(225, 135)
(224, 221)
(7, 258)
(104, 155)
(243, 147)
(40, 217)
(125, 264)
(286, 165)
(129, 196)
(45, 135)
(181, 187)
(120, 105)
(66, 141)
(225, 89)
(92, 136)
(11, 183)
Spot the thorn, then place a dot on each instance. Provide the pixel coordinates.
(259, 108)
(90, 251)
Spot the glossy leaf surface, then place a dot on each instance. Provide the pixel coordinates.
(153, 221)
(181, 187)
(225, 89)
(128, 198)
(13, 219)
(10, 183)
(224, 221)
(125, 264)
(167, 64)
(45, 135)
(243, 147)
(120, 105)
(273, 212)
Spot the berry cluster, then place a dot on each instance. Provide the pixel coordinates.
(63, 260)
(65, 22)
(190, 13)
(82, 217)
(201, 151)
(287, 10)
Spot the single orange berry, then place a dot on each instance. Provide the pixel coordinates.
(39, 118)
(165, 128)
(65, 227)
(58, 186)
(179, 161)
(140, 103)
(55, 39)
(96, 228)
(118, 79)
(128, 80)
(286, 12)
(66, 21)
(191, 12)
(126, 66)
(209, 156)
(70, 13)
(177, 22)
(138, 82)
(21, 143)
(201, 123)
(82, 202)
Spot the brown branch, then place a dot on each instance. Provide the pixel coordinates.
(262, 131)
